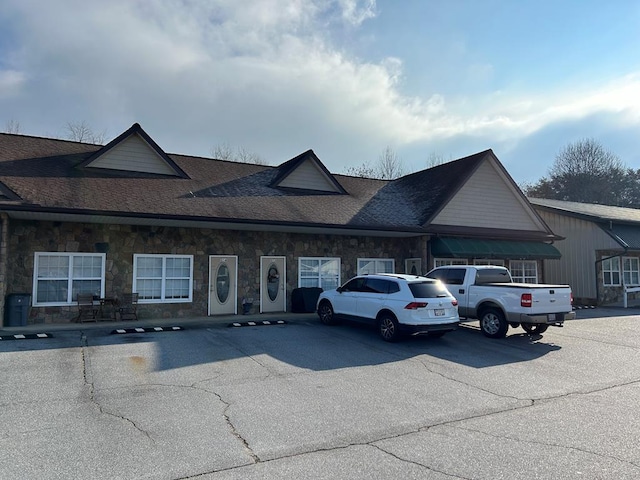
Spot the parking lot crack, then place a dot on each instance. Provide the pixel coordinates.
(413, 462)
(475, 387)
(232, 427)
(549, 444)
(92, 393)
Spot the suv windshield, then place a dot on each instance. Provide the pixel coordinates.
(428, 289)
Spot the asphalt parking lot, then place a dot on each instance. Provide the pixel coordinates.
(303, 400)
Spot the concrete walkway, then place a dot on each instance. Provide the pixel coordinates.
(161, 322)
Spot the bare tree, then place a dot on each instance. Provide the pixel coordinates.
(12, 126)
(388, 167)
(365, 171)
(240, 154)
(83, 133)
(434, 159)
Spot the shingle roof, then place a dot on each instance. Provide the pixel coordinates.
(49, 175)
(591, 211)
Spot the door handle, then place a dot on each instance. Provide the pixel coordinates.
(461, 290)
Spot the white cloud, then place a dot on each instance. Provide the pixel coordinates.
(11, 82)
(261, 74)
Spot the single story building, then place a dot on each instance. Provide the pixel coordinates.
(197, 236)
(601, 250)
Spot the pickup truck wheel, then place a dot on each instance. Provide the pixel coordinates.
(388, 328)
(535, 327)
(325, 312)
(493, 324)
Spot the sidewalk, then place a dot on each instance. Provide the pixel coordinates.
(222, 320)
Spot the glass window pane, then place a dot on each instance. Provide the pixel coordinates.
(53, 266)
(149, 289)
(52, 291)
(176, 289)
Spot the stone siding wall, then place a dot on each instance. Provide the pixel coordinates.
(121, 242)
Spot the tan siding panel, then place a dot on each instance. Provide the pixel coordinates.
(307, 176)
(577, 265)
(133, 154)
(486, 200)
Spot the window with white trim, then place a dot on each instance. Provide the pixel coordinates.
(445, 262)
(163, 278)
(323, 272)
(611, 271)
(59, 277)
(524, 271)
(376, 265)
(488, 261)
(631, 270)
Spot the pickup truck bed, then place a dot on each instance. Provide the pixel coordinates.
(487, 293)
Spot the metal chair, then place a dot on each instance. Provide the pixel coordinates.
(86, 308)
(128, 306)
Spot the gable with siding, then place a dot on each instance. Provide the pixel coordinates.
(308, 176)
(135, 155)
(488, 200)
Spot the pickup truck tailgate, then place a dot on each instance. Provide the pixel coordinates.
(549, 298)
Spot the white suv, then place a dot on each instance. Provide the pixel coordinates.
(396, 304)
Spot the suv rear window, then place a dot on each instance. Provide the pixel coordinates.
(428, 290)
(379, 285)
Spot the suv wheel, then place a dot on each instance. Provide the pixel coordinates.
(388, 327)
(325, 312)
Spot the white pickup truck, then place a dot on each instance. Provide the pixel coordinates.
(489, 294)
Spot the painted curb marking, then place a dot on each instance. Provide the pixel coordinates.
(28, 336)
(146, 329)
(257, 324)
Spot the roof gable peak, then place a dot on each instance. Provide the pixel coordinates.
(306, 172)
(134, 151)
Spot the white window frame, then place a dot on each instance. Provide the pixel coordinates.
(488, 261)
(378, 265)
(163, 279)
(523, 278)
(631, 272)
(319, 278)
(611, 267)
(446, 262)
(69, 277)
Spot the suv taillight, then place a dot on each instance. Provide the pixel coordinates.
(454, 302)
(526, 300)
(415, 305)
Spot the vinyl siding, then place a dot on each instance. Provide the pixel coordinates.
(487, 200)
(577, 265)
(135, 155)
(309, 177)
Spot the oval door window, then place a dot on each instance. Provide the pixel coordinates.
(222, 283)
(273, 282)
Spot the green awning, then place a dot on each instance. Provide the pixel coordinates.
(475, 248)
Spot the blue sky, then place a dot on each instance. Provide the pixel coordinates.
(346, 78)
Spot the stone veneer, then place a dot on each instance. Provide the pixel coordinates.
(121, 242)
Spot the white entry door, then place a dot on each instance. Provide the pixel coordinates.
(223, 285)
(273, 284)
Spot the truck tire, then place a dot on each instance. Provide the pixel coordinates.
(538, 328)
(493, 324)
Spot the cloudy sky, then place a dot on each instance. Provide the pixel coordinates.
(346, 78)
